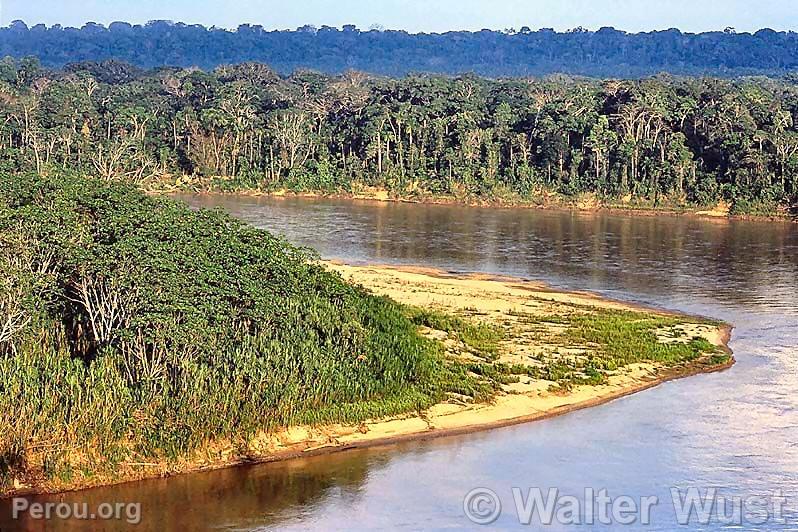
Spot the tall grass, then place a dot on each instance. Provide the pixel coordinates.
(142, 329)
(482, 338)
(614, 339)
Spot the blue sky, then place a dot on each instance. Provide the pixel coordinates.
(420, 15)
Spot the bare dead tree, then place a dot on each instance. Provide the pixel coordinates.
(291, 130)
(124, 159)
(17, 263)
(144, 361)
(106, 306)
(13, 318)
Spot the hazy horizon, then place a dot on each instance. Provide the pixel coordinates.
(418, 16)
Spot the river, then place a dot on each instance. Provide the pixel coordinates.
(736, 431)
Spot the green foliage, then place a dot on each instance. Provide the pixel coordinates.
(720, 359)
(142, 328)
(606, 52)
(498, 373)
(617, 339)
(482, 338)
(628, 337)
(662, 142)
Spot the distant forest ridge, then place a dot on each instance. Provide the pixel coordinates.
(604, 53)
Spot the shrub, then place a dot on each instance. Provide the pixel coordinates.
(141, 326)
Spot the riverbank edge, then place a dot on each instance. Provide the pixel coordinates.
(382, 196)
(666, 376)
(304, 449)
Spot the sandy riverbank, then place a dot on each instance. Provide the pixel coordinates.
(493, 299)
(530, 313)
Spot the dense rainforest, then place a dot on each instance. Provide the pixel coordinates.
(511, 52)
(660, 142)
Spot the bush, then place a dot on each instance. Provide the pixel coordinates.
(141, 326)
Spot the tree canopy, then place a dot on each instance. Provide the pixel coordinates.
(522, 52)
(660, 140)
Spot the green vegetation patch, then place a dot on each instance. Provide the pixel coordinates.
(482, 338)
(135, 328)
(589, 344)
(614, 339)
(665, 143)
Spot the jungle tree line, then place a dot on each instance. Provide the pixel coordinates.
(509, 52)
(661, 140)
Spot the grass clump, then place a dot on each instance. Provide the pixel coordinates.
(628, 337)
(618, 338)
(484, 339)
(132, 326)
